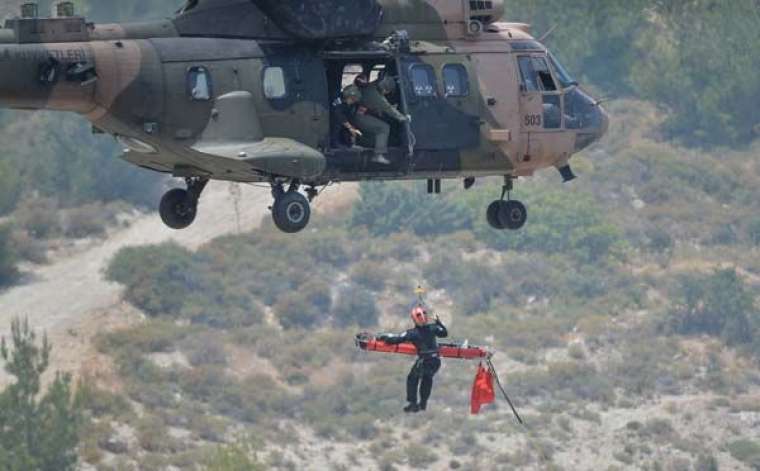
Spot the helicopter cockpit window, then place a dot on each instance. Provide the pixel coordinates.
(564, 77)
(527, 46)
(455, 80)
(274, 83)
(199, 83)
(536, 75)
(423, 80)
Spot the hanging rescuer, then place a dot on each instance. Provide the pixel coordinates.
(424, 338)
(422, 341)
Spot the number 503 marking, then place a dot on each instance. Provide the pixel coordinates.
(533, 120)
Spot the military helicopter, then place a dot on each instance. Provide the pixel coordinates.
(241, 90)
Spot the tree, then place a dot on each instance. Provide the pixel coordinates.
(36, 434)
(8, 258)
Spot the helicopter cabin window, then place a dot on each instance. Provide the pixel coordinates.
(274, 83)
(535, 74)
(199, 84)
(423, 80)
(455, 80)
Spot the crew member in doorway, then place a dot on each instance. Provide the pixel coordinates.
(374, 107)
(424, 336)
(345, 108)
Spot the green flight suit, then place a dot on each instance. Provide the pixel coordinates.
(371, 123)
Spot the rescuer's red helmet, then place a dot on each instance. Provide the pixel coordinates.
(419, 315)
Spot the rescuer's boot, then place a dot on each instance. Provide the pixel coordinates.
(412, 407)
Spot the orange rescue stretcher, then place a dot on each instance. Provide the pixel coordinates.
(462, 351)
(482, 391)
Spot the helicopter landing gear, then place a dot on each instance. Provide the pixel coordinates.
(179, 207)
(507, 214)
(291, 210)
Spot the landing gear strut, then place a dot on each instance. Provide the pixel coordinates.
(179, 207)
(291, 210)
(507, 213)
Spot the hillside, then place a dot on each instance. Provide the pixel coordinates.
(608, 357)
(625, 316)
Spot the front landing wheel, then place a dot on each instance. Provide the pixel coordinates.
(513, 215)
(178, 209)
(494, 209)
(291, 212)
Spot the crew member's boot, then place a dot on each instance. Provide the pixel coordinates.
(381, 159)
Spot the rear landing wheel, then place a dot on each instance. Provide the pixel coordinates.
(291, 212)
(178, 209)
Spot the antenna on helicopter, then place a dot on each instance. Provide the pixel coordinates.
(548, 34)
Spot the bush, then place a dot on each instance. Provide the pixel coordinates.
(39, 217)
(718, 305)
(100, 402)
(88, 220)
(8, 258)
(389, 208)
(746, 451)
(296, 311)
(355, 307)
(240, 457)
(29, 248)
(372, 275)
(168, 280)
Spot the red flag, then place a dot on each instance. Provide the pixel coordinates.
(482, 390)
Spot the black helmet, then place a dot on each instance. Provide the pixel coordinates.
(352, 91)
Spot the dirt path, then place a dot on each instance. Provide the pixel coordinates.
(71, 301)
(65, 296)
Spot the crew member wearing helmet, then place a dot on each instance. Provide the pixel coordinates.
(374, 107)
(344, 110)
(424, 336)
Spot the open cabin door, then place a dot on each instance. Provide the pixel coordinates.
(438, 96)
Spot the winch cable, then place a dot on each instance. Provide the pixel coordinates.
(504, 392)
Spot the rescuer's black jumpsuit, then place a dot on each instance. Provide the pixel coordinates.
(428, 361)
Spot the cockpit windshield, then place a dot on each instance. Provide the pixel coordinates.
(565, 79)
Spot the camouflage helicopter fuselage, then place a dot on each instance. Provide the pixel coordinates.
(241, 90)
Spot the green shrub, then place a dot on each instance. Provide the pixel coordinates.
(39, 217)
(372, 275)
(718, 305)
(746, 451)
(239, 457)
(28, 248)
(355, 306)
(296, 311)
(569, 381)
(153, 435)
(386, 208)
(89, 220)
(100, 402)
(168, 280)
(152, 337)
(753, 231)
(420, 457)
(8, 258)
